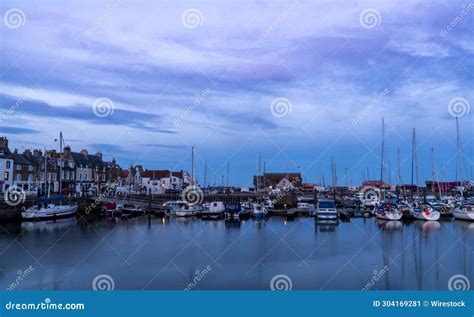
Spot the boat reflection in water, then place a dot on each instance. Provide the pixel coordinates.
(232, 223)
(52, 225)
(389, 225)
(427, 226)
(328, 225)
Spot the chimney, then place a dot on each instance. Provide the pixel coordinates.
(67, 151)
(27, 153)
(3, 143)
(37, 152)
(15, 151)
(99, 155)
(51, 153)
(84, 152)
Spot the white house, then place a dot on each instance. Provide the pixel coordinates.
(158, 181)
(6, 173)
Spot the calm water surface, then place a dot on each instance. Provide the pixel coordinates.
(161, 253)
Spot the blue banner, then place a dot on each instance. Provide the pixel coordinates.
(237, 303)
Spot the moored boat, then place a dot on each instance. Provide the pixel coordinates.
(259, 210)
(213, 210)
(187, 210)
(464, 212)
(388, 211)
(326, 209)
(49, 211)
(425, 212)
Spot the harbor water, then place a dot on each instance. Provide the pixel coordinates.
(156, 253)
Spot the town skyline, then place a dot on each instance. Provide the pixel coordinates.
(144, 84)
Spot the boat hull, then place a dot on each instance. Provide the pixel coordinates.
(463, 215)
(49, 214)
(432, 216)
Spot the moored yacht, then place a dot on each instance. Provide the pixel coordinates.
(388, 211)
(48, 211)
(425, 212)
(465, 211)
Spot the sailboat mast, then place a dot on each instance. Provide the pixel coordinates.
(205, 173)
(383, 150)
(412, 161)
(45, 172)
(192, 165)
(227, 180)
(458, 152)
(60, 161)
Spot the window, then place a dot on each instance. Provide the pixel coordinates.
(6, 175)
(8, 164)
(30, 168)
(18, 167)
(18, 177)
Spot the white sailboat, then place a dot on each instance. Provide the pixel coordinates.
(388, 211)
(465, 211)
(46, 211)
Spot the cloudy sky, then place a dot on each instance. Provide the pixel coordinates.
(297, 81)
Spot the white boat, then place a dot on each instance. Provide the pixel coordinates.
(259, 210)
(305, 205)
(326, 210)
(173, 205)
(388, 211)
(51, 211)
(268, 203)
(425, 212)
(464, 212)
(213, 210)
(187, 210)
(246, 209)
(445, 208)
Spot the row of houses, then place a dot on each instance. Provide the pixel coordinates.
(40, 172)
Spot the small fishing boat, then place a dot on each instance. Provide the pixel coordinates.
(49, 211)
(388, 211)
(213, 210)
(131, 210)
(465, 211)
(172, 206)
(326, 209)
(259, 210)
(425, 212)
(187, 210)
